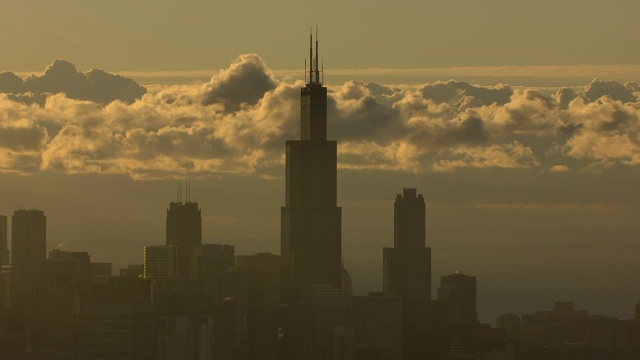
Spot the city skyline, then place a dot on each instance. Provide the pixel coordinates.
(536, 195)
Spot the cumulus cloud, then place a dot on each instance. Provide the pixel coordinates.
(505, 156)
(610, 88)
(243, 83)
(455, 92)
(238, 123)
(63, 77)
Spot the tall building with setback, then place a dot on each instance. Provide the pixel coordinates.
(407, 265)
(184, 231)
(28, 246)
(407, 271)
(311, 220)
(4, 251)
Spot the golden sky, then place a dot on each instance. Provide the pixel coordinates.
(528, 165)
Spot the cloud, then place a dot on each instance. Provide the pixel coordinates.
(63, 77)
(610, 88)
(238, 123)
(244, 82)
(454, 92)
(505, 156)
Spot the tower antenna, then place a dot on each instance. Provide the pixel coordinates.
(311, 56)
(317, 67)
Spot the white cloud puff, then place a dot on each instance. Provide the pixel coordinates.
(238, 123)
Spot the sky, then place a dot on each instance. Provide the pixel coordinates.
(518, 121)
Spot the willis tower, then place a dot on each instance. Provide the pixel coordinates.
(310, 220)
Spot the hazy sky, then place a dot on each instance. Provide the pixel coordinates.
(530, 185)
(184, 35)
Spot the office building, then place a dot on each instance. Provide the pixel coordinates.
(327, 307)
(457, 293)
(407, 271)
(4, 251)
(70, 265)
(311, 220)
(216, 259)
(159, 262)
(377, 326)
(184, 231)
(28, 247)
(407, 265)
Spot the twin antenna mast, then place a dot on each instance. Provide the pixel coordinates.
(315, 68)
(187, 188)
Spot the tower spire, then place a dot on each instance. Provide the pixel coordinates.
(317, 56)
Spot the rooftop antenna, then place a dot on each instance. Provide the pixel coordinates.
(180, 190)
(322, 71)
(189, 189)
(317, 67)
(311, 56)
(305, 70)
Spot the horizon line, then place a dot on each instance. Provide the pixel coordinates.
(564, 71)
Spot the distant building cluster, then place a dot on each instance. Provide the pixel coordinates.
(195, 301)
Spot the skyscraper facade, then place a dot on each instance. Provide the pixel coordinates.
(407, 266)
(457, 293)
(29, 255)
(184, 231)
(4, 251)
(159, 262)
(311, 220)
(407, 271)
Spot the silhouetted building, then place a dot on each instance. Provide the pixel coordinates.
(71, 265)
(133, 271)
(262, 273)
(4, 251)
(216, 259)
(159, 262)
(407, 266)
(28, 247)
(100, 272)
(457, 293)
(377, 326)
(407, 271)
(311, 220)
(184, 231)
(327, 306)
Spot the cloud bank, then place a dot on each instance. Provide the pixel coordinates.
(237, 123)
(62, 77)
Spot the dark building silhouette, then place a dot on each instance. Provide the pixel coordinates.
(311, 220)
(407, 271)
(377, 326)
(457, 293)
(70, 265)
(28, 246)
(184, 231)
(407, 266)
(4, 251)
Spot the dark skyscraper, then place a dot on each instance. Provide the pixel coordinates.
(29, 255)
(311, 220)
(407, 271)
(407, 266)
(184, 231)
(4, 251)
(457, 293)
